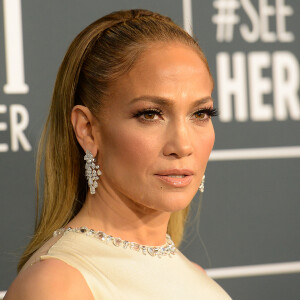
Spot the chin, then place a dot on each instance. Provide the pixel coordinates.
(173, 203)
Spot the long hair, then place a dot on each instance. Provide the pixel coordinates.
(100, 54)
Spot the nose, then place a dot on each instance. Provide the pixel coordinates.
(178, 140)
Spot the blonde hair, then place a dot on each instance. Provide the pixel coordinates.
(101, 53)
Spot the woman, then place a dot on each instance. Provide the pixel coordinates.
(125, 148)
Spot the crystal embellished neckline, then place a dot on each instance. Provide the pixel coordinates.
(168, 249)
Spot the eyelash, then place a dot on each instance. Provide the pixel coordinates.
(211, 112)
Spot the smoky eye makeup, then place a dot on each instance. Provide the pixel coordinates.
(152, 114)
(209, 111)
(148, 115)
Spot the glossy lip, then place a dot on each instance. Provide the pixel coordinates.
(177, 182)
(176, 172)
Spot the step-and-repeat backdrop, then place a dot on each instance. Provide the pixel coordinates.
(247, 232)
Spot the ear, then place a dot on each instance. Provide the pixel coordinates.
(83, 123)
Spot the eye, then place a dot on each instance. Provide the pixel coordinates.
(148, 114)
(200, 115)
(205, 114)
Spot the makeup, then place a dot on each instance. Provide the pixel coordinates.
(176, 181)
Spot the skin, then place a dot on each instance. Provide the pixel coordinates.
(131, 202)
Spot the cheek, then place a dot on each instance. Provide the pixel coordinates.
(205, 144)
(129, 149)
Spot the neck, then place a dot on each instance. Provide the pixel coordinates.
(122, 217)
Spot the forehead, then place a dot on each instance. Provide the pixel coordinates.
(166, 70)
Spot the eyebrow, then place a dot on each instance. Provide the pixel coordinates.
(167, 102)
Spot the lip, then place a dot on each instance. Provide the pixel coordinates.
(175, 172)
(176, 182)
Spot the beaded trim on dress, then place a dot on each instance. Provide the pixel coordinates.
(167, 249)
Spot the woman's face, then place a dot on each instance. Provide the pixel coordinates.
(156, 125)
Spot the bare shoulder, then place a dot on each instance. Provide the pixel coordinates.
(49, 279)
(199, 268)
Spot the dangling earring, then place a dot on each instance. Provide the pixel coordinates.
(91, 171)
(201, 187)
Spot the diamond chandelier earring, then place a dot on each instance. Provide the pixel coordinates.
(201, 187)
(92, 171)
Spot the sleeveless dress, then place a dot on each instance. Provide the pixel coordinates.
(117, 273)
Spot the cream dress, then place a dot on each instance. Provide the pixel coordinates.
(117, 273)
